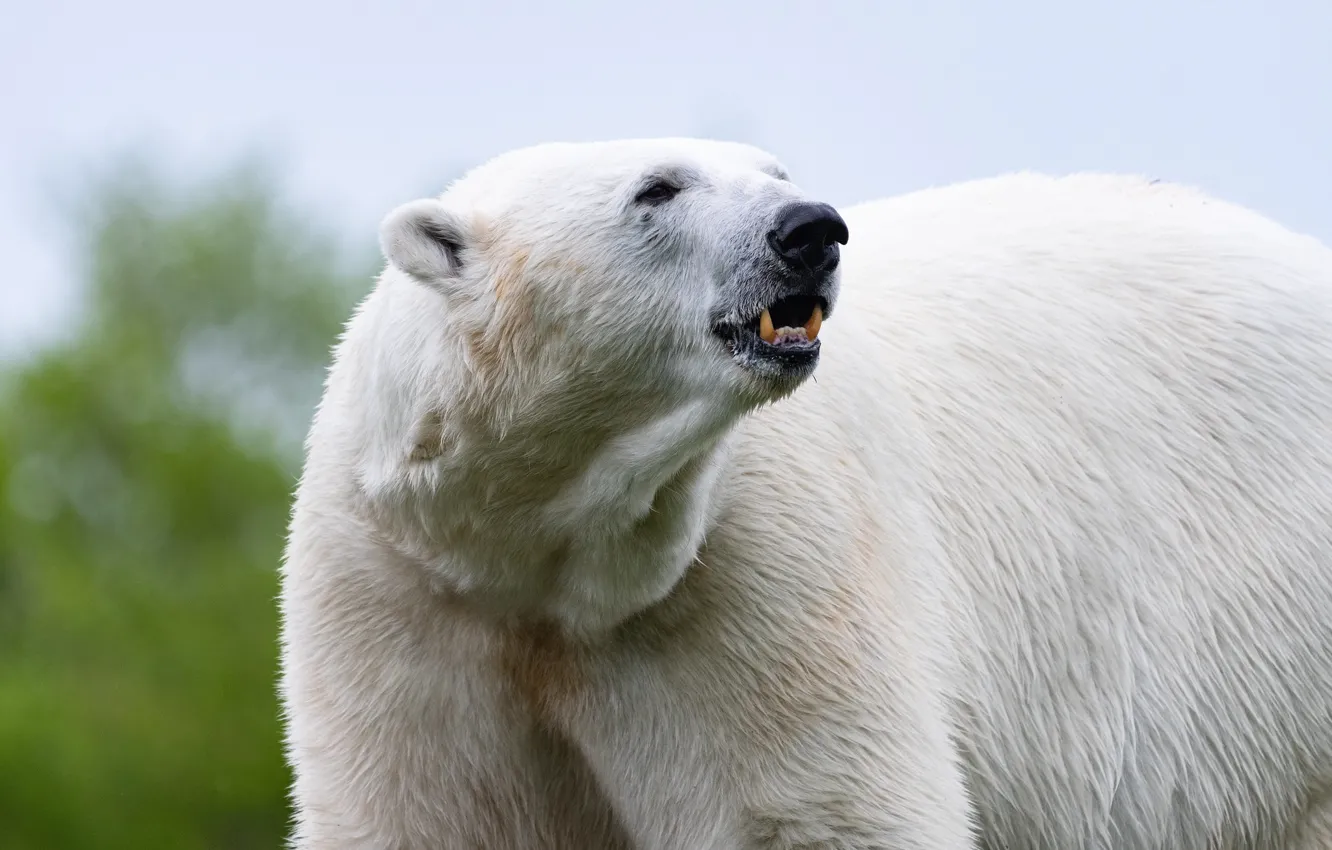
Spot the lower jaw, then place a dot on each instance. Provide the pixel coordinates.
(768, 371)
(777, 365)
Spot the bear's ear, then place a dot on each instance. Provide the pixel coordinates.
(424, 239)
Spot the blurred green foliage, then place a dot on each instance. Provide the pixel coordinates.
(146, 463)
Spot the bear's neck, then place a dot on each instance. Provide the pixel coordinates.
(585, 537)
(636, 515)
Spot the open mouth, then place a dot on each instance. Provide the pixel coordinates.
(783, 337)
(791, 321)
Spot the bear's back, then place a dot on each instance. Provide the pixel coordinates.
(1127, 391)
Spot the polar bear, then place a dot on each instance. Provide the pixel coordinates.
(638, 513)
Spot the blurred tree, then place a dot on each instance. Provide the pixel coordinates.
(145, 469)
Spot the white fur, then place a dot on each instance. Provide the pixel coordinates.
(1044, 549)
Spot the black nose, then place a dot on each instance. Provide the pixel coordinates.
(806, 236)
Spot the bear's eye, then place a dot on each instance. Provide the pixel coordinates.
(657, 192)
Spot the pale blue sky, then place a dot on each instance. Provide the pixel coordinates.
(861, 99)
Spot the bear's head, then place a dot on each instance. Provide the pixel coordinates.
(536, 398)
(587, 278)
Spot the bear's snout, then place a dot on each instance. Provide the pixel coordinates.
(806, 235)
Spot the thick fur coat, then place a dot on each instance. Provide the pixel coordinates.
(1038, 555)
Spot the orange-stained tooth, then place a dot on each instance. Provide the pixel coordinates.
(815, 322)
(766, 333)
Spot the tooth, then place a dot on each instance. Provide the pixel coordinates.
(815, 322)
(766, 333)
